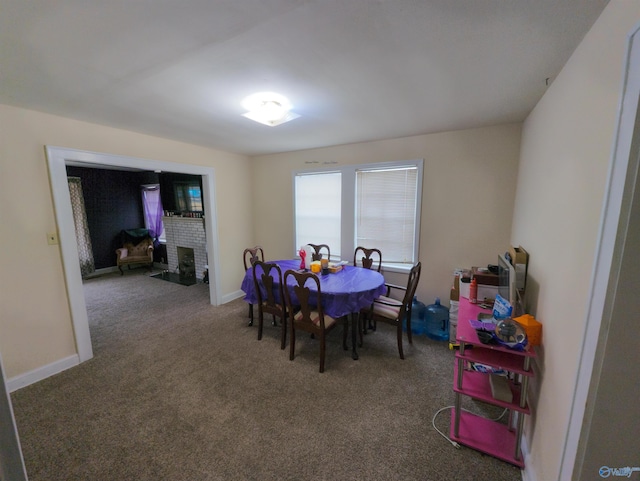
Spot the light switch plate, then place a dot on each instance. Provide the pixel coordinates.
(52, 238)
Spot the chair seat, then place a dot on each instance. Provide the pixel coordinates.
(315, 318)
(387, 307)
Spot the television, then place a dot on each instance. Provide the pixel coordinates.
(507, 282)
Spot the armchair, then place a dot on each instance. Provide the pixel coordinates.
(130, 253)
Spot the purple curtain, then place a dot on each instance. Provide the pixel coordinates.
(153, 211)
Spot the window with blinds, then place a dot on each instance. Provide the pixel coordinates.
(318, 210)
(369, 205)
(386, 206)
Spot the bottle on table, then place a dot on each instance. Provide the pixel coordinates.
(473, 292)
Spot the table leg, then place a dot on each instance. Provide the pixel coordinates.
(354, 335)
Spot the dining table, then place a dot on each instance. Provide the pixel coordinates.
(343, 293)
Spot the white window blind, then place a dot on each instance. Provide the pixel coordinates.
(386, 203)
(318, 210)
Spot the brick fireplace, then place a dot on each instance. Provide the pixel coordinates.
(186, 232)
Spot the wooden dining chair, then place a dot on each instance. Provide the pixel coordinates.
(318, 254)
(270, 294)
(368, 259)
(310, 316)
(249, 256)
(394, 311)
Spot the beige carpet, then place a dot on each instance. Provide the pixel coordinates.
(181, 390)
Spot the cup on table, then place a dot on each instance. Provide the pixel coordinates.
(315, 267)
(325, 266)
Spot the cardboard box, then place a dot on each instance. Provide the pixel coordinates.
(486, 292)
(485, 277)
(464, 287)
(532, 327)
(500, 388)
(520, 261)
(453, 331)
(333, 268)
(455, 290)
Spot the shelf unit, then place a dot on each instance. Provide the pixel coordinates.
(491, 437)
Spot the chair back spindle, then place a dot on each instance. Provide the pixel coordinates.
(306, 314)
(268, 284)
(252, 254)
(370, 258)
(318, 248)
(249, 257)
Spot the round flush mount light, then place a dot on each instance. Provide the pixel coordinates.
(268, 108)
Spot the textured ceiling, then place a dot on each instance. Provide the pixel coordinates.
(355, 70)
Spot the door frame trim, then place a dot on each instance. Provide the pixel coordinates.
(58, 158)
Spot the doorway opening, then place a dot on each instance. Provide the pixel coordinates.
(58, 158)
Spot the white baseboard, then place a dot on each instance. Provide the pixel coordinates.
(528, 474)
(31, 377)
(232, 296)
(101, 272)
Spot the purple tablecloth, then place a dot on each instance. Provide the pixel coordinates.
(344, 292)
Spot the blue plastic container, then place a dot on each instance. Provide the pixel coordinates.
(437, 321)
(418, 325)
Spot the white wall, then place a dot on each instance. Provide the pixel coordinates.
(467, 199)
(566, 150)
(35, 326)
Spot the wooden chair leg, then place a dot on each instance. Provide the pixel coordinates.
(400, 341)
(251, 314)
(292, 343)
(323, 349)
(283, 334)
(345, 331)
(409, 333)
(260, 324)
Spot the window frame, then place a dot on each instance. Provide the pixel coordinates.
(188, 200)
(295, 207)
(348, 206)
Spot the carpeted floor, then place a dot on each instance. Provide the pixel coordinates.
(181, 390)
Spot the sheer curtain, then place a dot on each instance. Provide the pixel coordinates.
(85, 250)
(153, 212)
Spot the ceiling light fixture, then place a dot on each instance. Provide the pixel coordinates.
(268, 108)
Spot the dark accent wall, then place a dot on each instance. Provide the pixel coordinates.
(113, 202)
